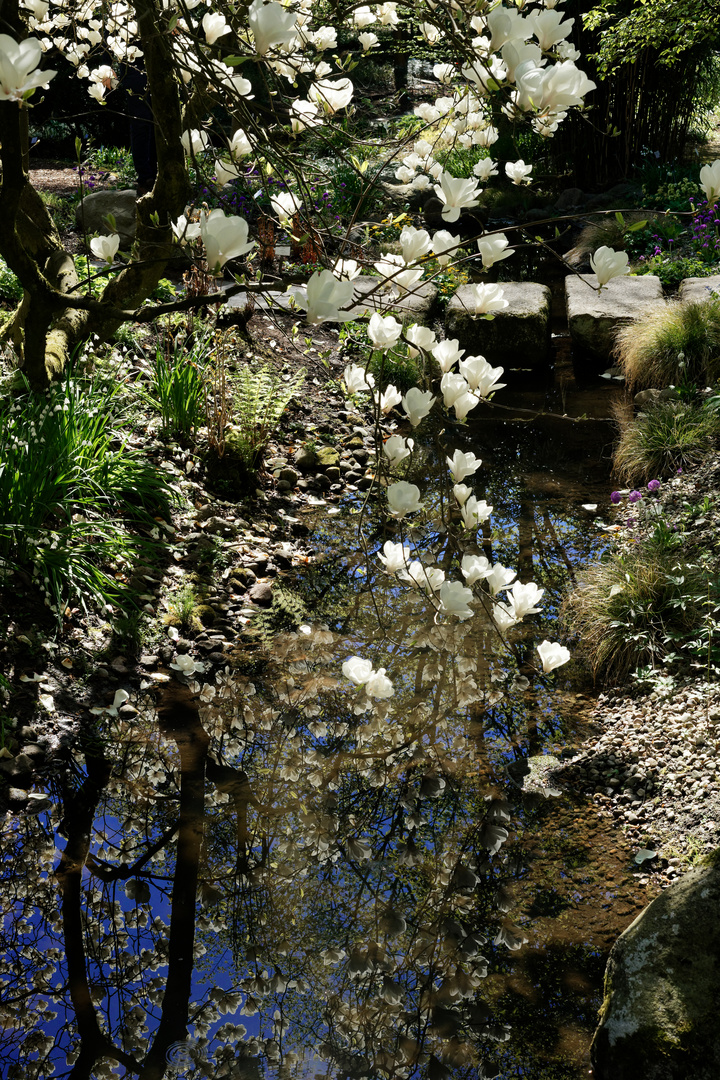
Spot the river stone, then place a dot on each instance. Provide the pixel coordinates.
(415, 307)
(594, 317)
(305, 458)
(662, 987)
(328, 457)
(699, 288)
(518, 337)
(89, 214)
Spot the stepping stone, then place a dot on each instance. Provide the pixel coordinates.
(518, 338)
(594, 317)
(415, 307)
(699, 288)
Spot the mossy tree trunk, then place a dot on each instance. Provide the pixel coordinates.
(53, 316)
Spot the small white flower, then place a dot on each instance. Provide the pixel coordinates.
(186, 665)
(105, 247)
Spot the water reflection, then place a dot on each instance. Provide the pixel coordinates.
(278, 876)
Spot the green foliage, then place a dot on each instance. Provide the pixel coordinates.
(672, 271)
(11, 290)
(669, 436)
(673, 343)
(460, 160)
(183, 607)
(179, 385)
(164, 292)
(260, 399)
(389, 366)
(350, 193)
(112, 159)
(68, 487)
(626, 28)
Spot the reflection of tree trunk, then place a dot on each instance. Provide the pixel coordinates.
(179, 721)
(79, 811)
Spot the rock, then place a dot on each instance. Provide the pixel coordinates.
(16, 797)
(261, 594)
(333, 474)
(416, 307)
(328, 457)
(242, 577)
(594, 317)
(662, 985)
(218, 526)
(699, 288)
(306, 458)
(518, 338)
(288, 476)
(569, 198)
(90, 212)
(206, 614)
(626, 192)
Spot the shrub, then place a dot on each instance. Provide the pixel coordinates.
(11, 290)
(672, 343)
(68, 490)
(632, 607)
(669, 436)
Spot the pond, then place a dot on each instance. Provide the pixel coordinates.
(269, 875)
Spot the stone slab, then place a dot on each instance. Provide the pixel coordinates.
(594, 317)
(518, 338)
(414, 307)
(89, 214)
(699, 288)
(659, 1018)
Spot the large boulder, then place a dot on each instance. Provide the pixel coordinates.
(89, 214)
(518, 337)
(594, 317)
(700, 288)
(659, 1018)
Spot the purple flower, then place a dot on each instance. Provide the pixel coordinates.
(634, 496)
(615, 497)
(653, 485)
(679, 472)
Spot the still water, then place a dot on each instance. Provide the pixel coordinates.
(262, 876)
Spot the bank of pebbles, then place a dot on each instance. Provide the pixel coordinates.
(655, 768)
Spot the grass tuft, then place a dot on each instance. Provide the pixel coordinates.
(673, 343)
(671, 435)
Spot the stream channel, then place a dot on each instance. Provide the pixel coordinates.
(268, 879)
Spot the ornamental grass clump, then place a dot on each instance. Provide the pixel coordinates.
(70, 493)
(669, 436)
(179, 385)
(673, 343)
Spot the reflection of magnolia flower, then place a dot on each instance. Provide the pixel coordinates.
(454, 600)
(105, 247)
(417, 404)
(357, 670)
(524, 598)
(552, 655)
(403, 498)
(607, 264)
(463, 464)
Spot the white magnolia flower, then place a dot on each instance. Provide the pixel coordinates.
(105, 247)
(710, 181)
(186, 665)
(524, 598)
(549, 29)
(485, 168)
(332, 94)
(214, 27)
(389, 398)
(285, 205)
(325, 37)
(18, 61)
(357, 379)
(453, 386)
(485, 299)
(417, 404)
(456, 194)
(323, 296)
(444, 72)
(357, 670)
(447, 354)
(395, 556)
(304, 114)
(225, 171)
(363, 16)
(421, 336)
(475, 568)
(414, 243)
(552, 655)
(454, 600)
(504, 617)
(481, 377)
(462, 493)
(384, 332)
(186, 230)
(607, 264)
(430, 33)
(518, 171)
(368, 41)
(493, 249)
(240, 145)
(463, 464)
(499, 577)
(444, 242)
(195, 141)
(397, 274)
(346, 269)
(271, 25)
(224, 238)
(474, 512)
(396, 449)
(403, 498)
(378, 685)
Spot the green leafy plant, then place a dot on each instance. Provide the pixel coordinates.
(179, 385)
(183, 608)
(70, 492)
(260, 399)
(112, 159)
(10, 288)
(389, 366)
